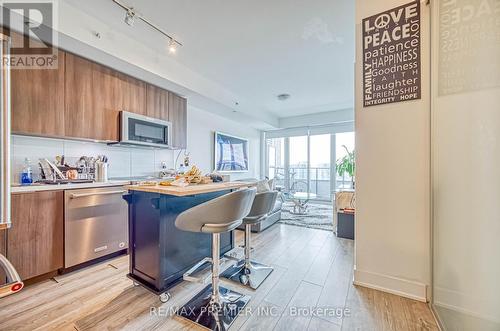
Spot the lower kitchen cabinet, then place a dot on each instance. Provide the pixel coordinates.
(35, 243)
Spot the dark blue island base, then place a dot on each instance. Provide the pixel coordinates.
(160, 253)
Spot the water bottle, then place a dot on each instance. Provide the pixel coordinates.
(26, 174)
(181, 169)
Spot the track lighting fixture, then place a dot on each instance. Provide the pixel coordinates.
(172, 46)
(131, 15)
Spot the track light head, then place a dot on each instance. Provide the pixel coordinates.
(172, 46)
(130, 17)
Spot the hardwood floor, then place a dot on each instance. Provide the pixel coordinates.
(313, 269)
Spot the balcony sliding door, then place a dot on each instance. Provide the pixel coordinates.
(321, 166)
(298, 148)
(303, 159)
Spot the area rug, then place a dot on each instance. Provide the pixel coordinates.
(318, 216)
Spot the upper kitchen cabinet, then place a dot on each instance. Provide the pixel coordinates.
(132, 94)
(177, 114)
(95, 95)
(93, 100)
(37, 100)
(83, 99)
(157, 102)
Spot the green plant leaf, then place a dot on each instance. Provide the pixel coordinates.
(347, 163)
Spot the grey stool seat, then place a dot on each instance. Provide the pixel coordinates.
(216, 307)
(247, 272)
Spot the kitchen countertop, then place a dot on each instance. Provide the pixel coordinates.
(45, 187)
(191, 189)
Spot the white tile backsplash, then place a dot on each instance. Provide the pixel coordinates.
(164, 155)
(123, 161)
(34, 149)
(119, 159)
(143, 162)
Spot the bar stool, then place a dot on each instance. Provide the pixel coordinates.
(216, 307)
(247, 272)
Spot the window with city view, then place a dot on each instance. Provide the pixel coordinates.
(306, 163)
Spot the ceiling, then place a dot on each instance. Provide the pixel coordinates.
(255, 49)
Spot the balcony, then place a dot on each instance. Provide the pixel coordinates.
(319, 181)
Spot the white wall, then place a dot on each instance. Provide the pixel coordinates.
(201, 128)
(392, 180)
(337, 116)
(123, 161)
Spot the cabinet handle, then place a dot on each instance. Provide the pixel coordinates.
(83, 195)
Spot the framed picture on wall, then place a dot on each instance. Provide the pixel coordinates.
(231, 153)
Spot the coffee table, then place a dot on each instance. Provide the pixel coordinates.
(300, 201)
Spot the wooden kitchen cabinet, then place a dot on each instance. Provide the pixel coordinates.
(83, 99)
(35, 241)
(37, 100)
(93, 100)
(177, 114)
(157, 102)
(132, 94)
(95, 95)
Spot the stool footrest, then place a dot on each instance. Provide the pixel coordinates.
(235, 254)
(200, 272)
(243, 246)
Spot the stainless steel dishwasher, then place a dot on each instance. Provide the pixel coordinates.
(95, 225)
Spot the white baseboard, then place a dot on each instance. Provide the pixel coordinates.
(398, 286)
(469, 304)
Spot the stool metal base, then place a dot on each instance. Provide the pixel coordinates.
(203, 311)
(252, 275)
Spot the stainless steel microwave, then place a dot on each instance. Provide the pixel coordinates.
(141, 130)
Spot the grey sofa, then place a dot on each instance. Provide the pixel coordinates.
(273, 217)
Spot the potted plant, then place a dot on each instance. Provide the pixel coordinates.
(347, 164)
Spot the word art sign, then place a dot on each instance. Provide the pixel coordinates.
(391, 56)
(469, 45)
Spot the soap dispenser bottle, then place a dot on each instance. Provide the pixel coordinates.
(26, 174)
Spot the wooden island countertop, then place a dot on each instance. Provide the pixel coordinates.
(192, 189)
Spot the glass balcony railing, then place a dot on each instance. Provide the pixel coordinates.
(319, 181)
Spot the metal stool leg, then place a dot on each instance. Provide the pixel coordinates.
(215, 307)
(247, 272)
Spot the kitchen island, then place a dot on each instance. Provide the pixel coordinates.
(160, 253)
